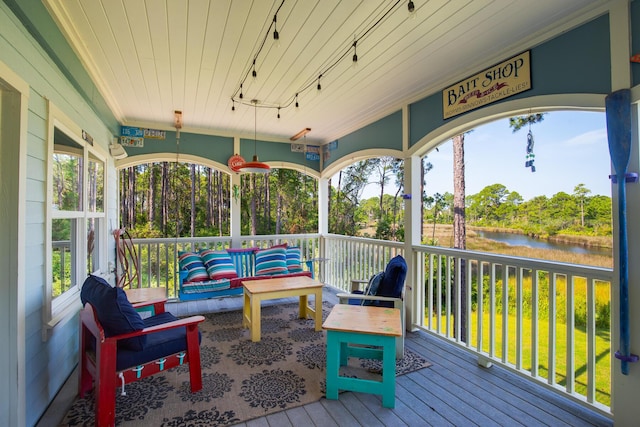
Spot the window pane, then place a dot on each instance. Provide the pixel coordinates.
(96, 185)
(93, 244)
(67, 173)
(63, 255)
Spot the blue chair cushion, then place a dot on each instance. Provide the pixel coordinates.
(115, 313)
(394, 276)
(373, 287)
(159, 344)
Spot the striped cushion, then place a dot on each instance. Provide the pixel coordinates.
(196, 272)
(294, 259)
(271, 261)
(218, 264)
(206, 286)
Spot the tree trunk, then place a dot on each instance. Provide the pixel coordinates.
(193, 200)
(220, 201)
(132, 196)
(254, 213)
(209, 218)
(267, 205)
(152, 195)
(164, 202)
(459, 227)
(422, 197)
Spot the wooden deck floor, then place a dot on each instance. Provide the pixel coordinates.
(454, 391)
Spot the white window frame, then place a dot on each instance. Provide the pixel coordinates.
(64, 306)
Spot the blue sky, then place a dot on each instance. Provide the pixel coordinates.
(570, 148)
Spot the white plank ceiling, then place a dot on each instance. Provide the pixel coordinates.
(151, 57)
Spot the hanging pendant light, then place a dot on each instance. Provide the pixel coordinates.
(254, 166)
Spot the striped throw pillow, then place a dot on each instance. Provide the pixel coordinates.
(192, 263)
(271, 261)
(294, 259)
(218, 264)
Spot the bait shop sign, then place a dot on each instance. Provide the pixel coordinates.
(493, 84)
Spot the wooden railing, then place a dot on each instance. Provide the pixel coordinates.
(350, 258)
(555, 328)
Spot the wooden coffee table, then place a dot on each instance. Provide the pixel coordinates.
(374, 331)
(257, 290)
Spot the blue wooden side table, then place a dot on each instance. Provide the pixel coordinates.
(365, 326)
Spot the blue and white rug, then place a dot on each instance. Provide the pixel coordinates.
(241, 379)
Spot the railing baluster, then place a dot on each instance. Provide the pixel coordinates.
(570, 340)
(480, 304)
(492, 312)
(551, 362)
(519, 314)
(505, 314)
(535, 330)
(591, 341)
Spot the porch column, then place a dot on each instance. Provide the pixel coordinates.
(624, 398)
(323, 220)
(412, 236)
(323, 206)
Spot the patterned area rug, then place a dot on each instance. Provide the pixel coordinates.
(241, 379)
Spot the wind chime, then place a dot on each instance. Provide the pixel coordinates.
(530, 157)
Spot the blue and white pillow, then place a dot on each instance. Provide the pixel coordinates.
(218, 264)
(271, 261)
(192, 263)
(294, 259)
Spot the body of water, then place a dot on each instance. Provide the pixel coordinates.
(523, 240)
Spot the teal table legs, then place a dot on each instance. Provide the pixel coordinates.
(338, 352)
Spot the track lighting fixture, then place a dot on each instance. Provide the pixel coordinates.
(276, 35)
(355, 52)
(233, 104)
(239, 95)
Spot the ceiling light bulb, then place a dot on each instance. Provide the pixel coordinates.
(411, 7)
(297, 105)
(278, 112)
(241, 91)
(276, 34)
(319, 87)
(355, 53)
